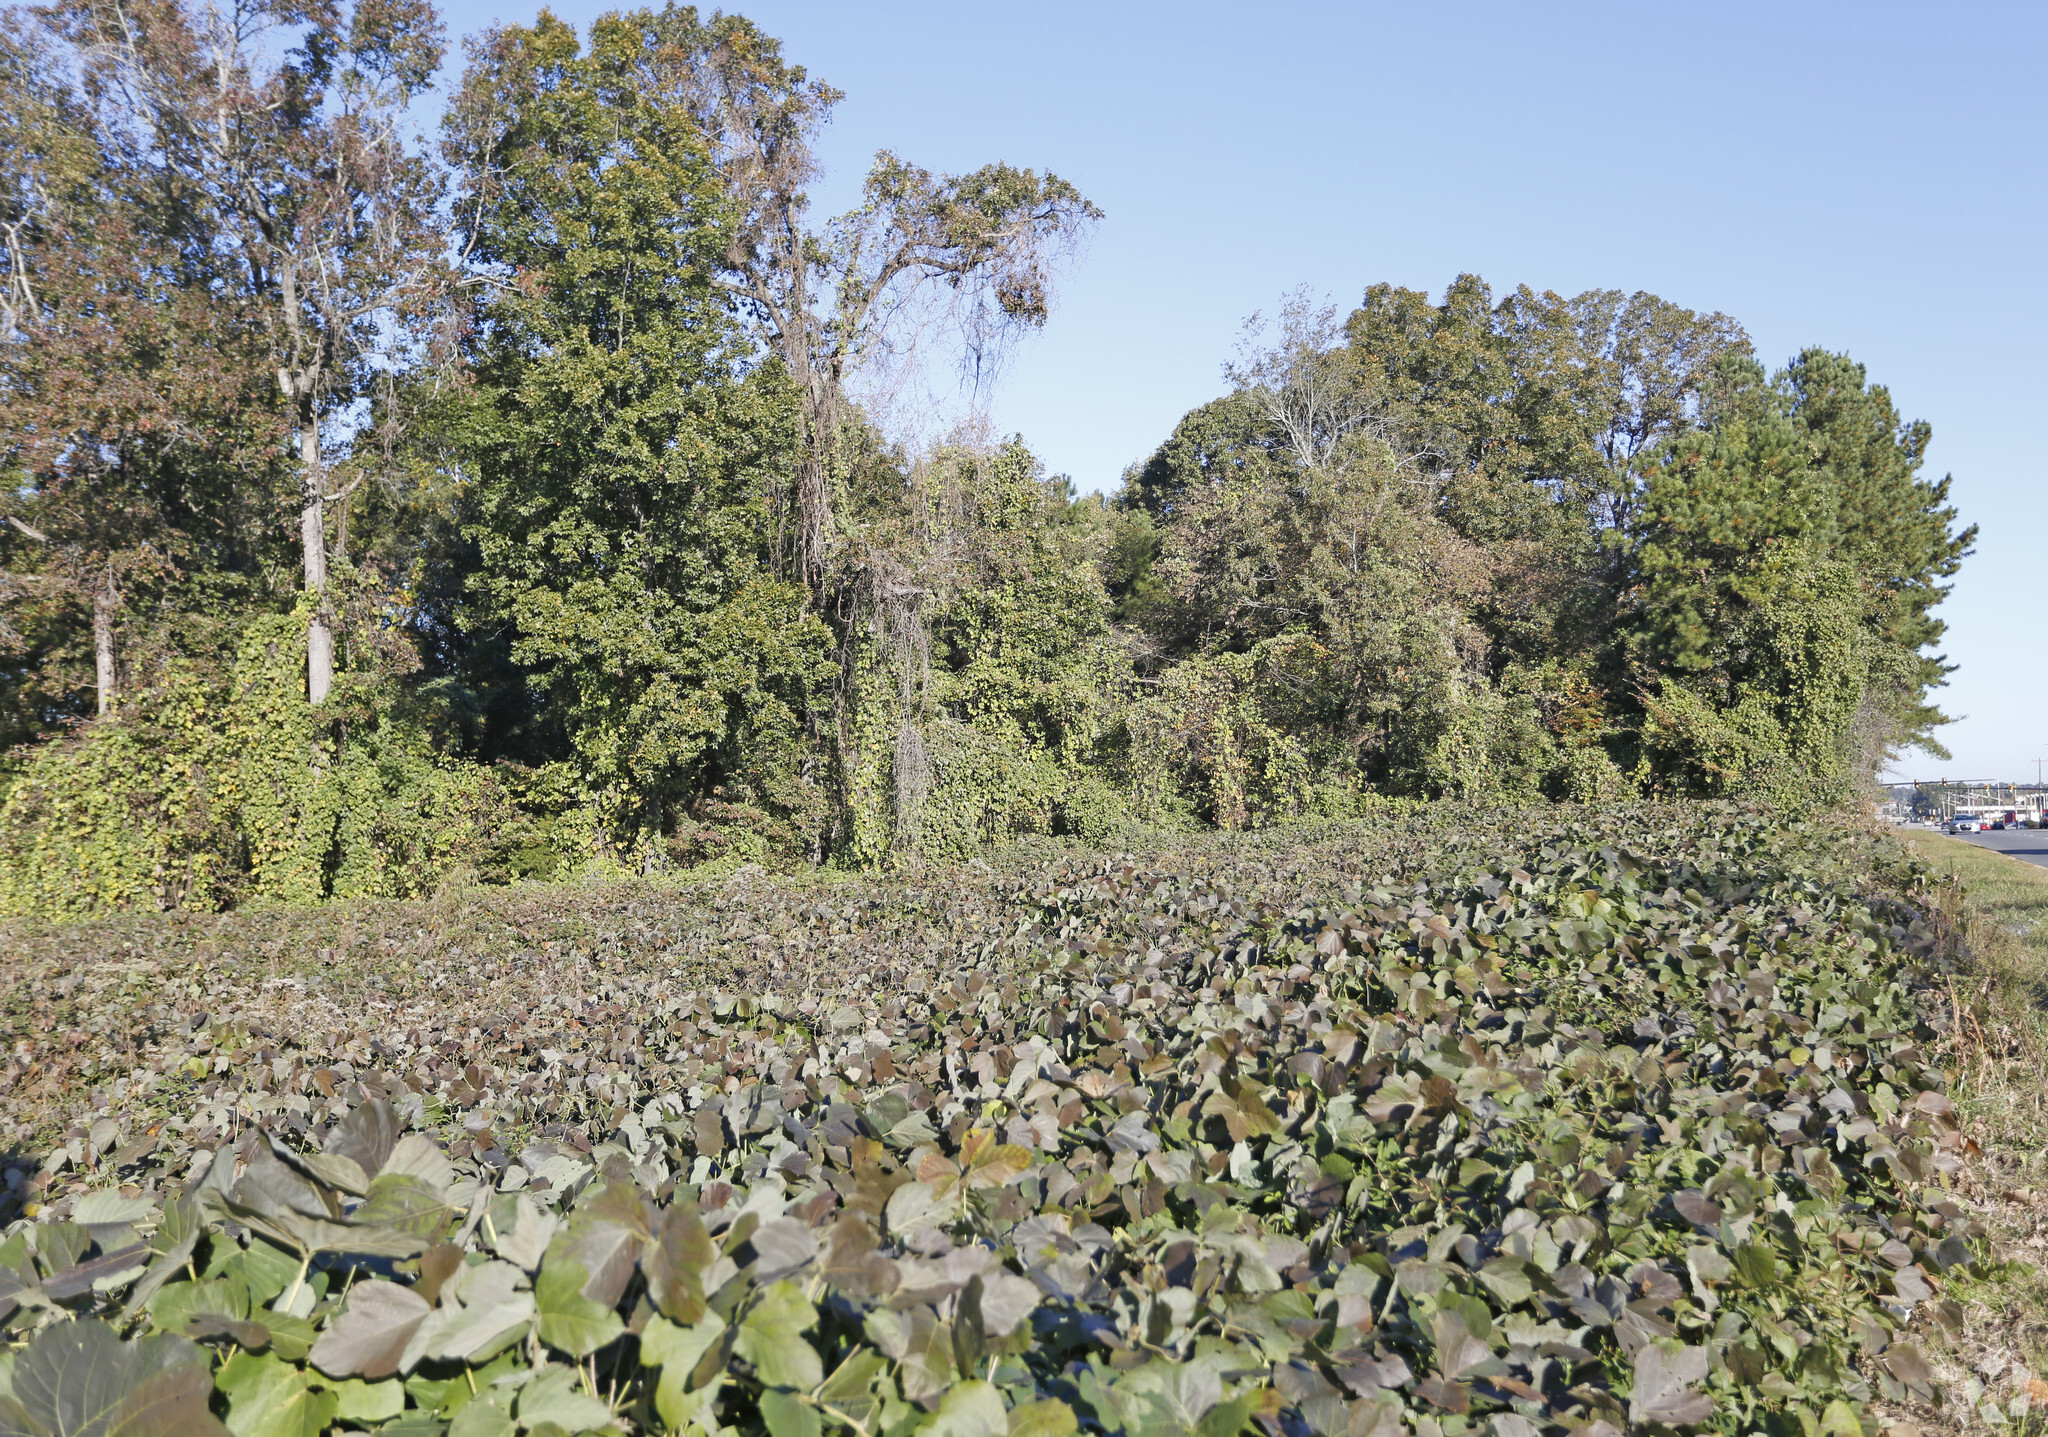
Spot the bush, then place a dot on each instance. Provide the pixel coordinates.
(197, 796)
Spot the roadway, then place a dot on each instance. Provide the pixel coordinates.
(2028, 844)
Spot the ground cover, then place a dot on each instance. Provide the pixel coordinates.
(1992, 1363)
(1510, 1121)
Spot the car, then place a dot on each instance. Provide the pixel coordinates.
(1965, 825)
(1998, 825)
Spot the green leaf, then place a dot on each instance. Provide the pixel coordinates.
(358, 1401)
(677, 1351)
(788, 1415)
(79, 1377)
(488, 1414)
(1757, 1264)
(291, 1337)
(1229, 1417)
(1047, 1418)
(674, 1264)
(772, 1338)
(569, 1321)
(1508, 1279)
(372, 1334)
(969, 1409)
(268, 1397)
(177, 1302)
(401, 1202)
(970, 1340)
(263, 1269)
(551, 1396)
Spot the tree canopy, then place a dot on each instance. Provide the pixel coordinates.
(386, 512)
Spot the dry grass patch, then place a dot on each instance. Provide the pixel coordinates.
(1996, 1361)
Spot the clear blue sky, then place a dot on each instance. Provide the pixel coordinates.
(1865, 177)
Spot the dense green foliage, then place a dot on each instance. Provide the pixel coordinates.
(618, 578)
(1534, 1121)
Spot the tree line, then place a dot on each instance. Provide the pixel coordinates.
(385, 509)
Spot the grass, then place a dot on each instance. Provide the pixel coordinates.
(1994, 1361)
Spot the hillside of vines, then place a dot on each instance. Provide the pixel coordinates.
(1520, 1121)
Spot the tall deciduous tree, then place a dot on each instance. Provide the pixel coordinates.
(136, 402)
(304, 180)
(825, 300)
(630, 437)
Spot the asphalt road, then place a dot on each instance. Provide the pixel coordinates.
(2030, 844)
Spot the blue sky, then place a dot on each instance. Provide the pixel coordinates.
(1868, 177)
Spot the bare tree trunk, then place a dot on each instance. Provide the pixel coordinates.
(814, 477)
(103, 604)
(313, 545)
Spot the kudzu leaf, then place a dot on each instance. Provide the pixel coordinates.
(365, 1137)
(372, 1333)
(787, 1415)
(674, 1264)
(80, 1378)
(970, 1338)
(569, 1320)
(365, 1402)
(551, 1396)
(969, 1409)
(850, 1388)
(782, 1246)
(1663, 1390)
(771, 1336)
(680, 1352)
(268, 1397)
(403, 1202)
(1048, 1417)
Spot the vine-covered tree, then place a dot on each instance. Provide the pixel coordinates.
(297, 173)
(627, 439)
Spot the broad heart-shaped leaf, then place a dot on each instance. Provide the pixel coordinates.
(969, 1409)
(1049, 1417)
(1167, 1397)
(679, 1352)
(1663, 1386)
(174, 1241)
(782, 1247)
(772, 1338)
(271, 1398)
(1507, 1278)
(408, 1204)
(1459, 1354)
(368, 1402)
(269, 1186)
(551, 1396)
(1243, 1112)
(675, 1261)
(371, 1335)
(488, 1414)
(787, 1415)
(366, 1136)
(524, 1241)
(606, 1251)
(312, 1234)
(217, 1297)
(79, 1379)
(489, 1316)
(338, 1172)
(417, 1155)
(850, 1388)
(570, 1321)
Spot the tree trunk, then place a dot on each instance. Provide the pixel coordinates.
(814, 477)
(313, 544)
(103, 642)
